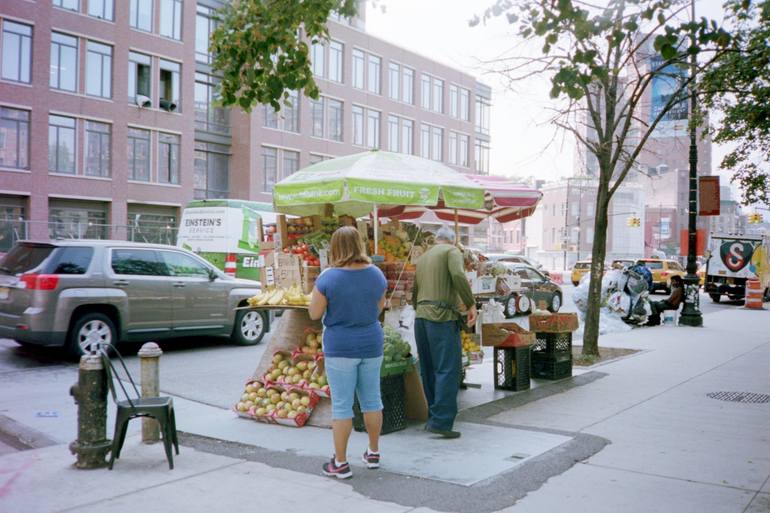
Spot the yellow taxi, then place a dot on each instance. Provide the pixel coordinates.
(580, 269)
(662, 272)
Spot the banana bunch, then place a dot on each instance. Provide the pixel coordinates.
(280, 296)
(294, 296)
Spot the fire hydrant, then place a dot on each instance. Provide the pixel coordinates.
(90, 393)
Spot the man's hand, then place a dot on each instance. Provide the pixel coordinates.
(472, 315)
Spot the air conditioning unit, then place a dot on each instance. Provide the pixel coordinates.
(168, 105)
(143, 101)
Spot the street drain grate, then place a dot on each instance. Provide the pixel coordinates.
(740, 397)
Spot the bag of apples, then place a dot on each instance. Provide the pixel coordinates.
(252, 400)
(289, 406)
(311, 344)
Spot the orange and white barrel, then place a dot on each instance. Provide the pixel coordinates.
(753, 294)
(230, 264)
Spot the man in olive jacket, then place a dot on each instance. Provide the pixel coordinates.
(439, 282)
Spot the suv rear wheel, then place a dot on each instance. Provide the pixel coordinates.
(89, 332)
(249, 327)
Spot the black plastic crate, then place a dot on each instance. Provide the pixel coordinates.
(552, 343)
(512, 368)
(551, 367)
(393, 406)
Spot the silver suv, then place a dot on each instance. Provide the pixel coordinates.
(79, 293)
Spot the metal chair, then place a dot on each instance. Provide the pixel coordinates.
(159, 408)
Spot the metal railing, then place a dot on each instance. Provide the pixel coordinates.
(13, 230)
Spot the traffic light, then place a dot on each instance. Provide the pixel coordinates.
(755, 218)
(634, 222)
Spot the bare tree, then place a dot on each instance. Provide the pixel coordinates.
(602, 62)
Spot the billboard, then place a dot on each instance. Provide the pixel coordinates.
(664, 85)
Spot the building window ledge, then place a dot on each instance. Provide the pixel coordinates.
(87, 177)
(16, 170)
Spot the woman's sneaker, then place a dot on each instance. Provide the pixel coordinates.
(371, 460)
(340, 472)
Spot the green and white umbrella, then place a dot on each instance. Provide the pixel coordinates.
(357, 184)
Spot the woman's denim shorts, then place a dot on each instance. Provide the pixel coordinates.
(347, 376)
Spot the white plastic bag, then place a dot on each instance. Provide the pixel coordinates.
(492, 312)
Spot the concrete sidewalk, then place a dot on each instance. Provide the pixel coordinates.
(671, 447)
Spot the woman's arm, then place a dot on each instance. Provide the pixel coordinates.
(381, 303)
(317, 305)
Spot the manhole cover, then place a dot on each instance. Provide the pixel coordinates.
(740, 397)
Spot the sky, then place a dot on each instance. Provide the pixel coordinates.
(524, 143)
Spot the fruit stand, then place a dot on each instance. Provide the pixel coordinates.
(289, 384)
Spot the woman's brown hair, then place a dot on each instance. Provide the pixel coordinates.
(347, 248)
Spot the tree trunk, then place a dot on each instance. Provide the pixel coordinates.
(598, 252)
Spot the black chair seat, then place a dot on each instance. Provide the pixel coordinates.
(159, 408)
(146, 402)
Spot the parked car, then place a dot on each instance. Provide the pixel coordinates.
(516, 259)
(81, 293)
(537, 287)
(662, 272)
(580, 269)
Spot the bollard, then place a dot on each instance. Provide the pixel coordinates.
(90, 393)
(149, 357)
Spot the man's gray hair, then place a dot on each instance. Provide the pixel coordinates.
(446, 234)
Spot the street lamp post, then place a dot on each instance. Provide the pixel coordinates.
(691, 315)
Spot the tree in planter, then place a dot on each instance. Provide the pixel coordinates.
(257, 52)
(600, 67)
(739, 86)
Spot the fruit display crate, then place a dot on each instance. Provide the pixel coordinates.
(552, 343)
(393, 393)
(551, 367)
(512, 368)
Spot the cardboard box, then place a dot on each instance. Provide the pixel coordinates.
(309, 275)
(484, 285)
(287, 270)
(507, 334)
(554, 323)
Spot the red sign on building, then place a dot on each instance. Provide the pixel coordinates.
(708, 196)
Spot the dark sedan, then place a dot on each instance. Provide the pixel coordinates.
(537, 288)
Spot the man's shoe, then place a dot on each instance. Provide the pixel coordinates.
(371, 460)
(446, 433)
(340, 472)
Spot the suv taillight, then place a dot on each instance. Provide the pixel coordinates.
(40, 281)
(664, 274)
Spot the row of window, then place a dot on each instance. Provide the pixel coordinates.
(142, 14)
(327, 122)
(327, 62)
(68, 136)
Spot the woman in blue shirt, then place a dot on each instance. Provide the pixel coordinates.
(350, 296)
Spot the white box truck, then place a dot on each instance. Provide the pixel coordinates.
(733, 260)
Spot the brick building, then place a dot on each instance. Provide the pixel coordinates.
(108, 125)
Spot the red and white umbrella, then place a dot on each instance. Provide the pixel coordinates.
(504, 201)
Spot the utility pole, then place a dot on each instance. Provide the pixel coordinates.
(566, 225)
(691, 315)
